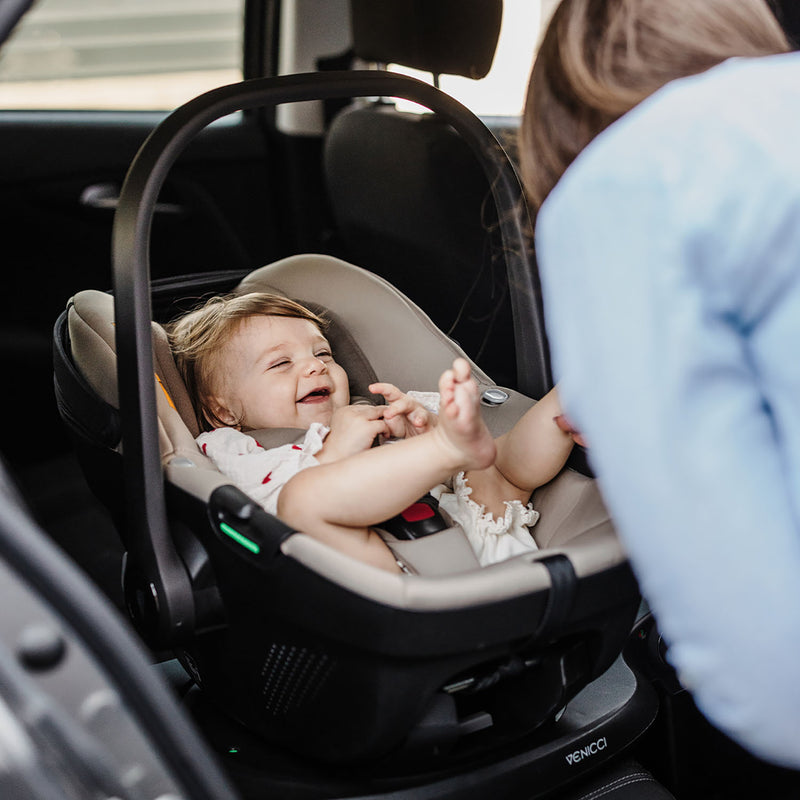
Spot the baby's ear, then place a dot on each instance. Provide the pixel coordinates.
(218, 411)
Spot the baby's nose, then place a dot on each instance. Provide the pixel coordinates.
(316, 365)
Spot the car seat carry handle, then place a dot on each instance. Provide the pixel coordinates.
(163, 584)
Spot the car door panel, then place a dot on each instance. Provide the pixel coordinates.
(59, 175)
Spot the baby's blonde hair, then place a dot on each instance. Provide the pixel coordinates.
(600, 58)
(197, 337)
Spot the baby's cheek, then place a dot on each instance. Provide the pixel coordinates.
(342, 395)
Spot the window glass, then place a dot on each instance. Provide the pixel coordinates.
(120, 54)
(502, 92)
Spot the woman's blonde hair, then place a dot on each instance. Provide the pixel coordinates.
(600, 58)
(197, 337)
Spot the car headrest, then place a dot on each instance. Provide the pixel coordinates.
(445, 37)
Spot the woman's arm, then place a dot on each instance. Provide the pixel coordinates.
(672, 349)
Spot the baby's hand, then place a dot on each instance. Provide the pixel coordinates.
(404, 416)
(353, 429)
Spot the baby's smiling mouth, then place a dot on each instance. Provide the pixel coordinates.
(316, 396)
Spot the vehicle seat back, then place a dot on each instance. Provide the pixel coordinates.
(433, 235)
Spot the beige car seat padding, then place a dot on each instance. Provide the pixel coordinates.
(381, 322)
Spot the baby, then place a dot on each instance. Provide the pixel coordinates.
(260, 361)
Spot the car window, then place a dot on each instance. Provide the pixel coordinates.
(502, 92)
(126, 54)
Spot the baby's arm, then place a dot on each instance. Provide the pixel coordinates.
(352, 429)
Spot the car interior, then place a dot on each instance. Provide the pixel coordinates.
(165, 636)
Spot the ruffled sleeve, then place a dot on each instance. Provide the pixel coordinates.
(261, 473)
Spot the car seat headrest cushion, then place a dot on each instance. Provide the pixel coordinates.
(348, 353)
(92, 341)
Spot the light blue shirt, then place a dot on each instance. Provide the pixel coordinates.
(670, 260)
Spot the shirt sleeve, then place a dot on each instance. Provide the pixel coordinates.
(670, 371)
(258, 472)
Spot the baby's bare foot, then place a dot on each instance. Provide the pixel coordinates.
(461, 426)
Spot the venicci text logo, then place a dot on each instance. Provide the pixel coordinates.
(592, 749)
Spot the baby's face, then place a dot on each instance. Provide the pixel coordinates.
(278, 372)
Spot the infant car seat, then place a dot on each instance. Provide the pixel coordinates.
(300, 643)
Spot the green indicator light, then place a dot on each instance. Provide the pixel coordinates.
(237, 537)
(233, 750)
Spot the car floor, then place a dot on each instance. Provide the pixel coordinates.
(697, 762)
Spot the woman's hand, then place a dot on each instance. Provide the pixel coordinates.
(404, 416)
(353, 429)
(565, 425)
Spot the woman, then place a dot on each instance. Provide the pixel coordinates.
(668, 148)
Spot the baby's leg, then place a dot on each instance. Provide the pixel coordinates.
(528, 456)
(363, 544)
(536, 448)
